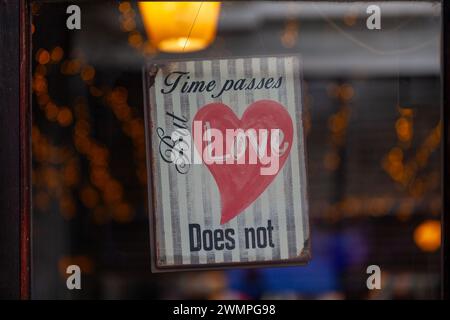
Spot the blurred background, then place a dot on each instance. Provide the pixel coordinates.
(372, 118)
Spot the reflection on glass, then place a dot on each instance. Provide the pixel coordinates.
(372, 117)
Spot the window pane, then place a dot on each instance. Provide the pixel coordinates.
(371, 102)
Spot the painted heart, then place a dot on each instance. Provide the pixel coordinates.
(243, 166)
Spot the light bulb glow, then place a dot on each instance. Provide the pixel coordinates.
(427, 235)
(180, 26)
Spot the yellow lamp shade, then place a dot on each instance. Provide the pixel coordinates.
(180, 26)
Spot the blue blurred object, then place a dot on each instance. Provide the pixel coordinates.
(331, 254)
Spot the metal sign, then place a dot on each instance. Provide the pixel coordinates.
(226, 163)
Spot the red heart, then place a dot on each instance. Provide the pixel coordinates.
(241, 184)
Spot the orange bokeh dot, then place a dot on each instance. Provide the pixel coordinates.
(427, 235)
(404, 129)
(124, 7)
(88, 73)
(57, 54)
(347, 92)
(42, 56)
(64, 117)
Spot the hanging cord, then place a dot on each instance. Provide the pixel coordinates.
(192, 26)
(370, 48)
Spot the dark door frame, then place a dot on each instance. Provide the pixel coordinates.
(15, 152)
(445, 145)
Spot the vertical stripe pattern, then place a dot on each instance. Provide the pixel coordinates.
(193, 198)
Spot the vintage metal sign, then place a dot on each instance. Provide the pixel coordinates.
(226, 162)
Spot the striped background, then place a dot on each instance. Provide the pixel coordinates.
(181, 199)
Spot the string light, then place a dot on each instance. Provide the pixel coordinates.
(289, 36)
(61, 182)
(427, 235)
(132, 126)
(337, 124)
(136, 40)
(406, 171)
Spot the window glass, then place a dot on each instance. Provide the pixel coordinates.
(371, 100)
